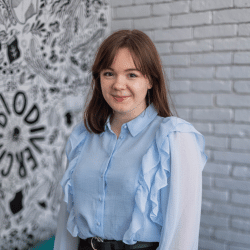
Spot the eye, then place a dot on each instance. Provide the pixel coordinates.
(108, 73)
(132, 75)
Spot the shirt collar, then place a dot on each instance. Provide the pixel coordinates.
(136, 125)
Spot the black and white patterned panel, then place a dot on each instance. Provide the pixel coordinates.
(46, 50)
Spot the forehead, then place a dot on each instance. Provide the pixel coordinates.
(124, 59)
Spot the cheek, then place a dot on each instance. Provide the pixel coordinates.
(141, 87)
(103, 85)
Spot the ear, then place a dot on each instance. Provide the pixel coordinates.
(150, 85)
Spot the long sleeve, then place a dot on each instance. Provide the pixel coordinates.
(64, 240)
(182, 209)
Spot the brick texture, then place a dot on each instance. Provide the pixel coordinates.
(198, 5)
(211, 59)
(244, 29)
(204, 47)
(242, 3)
(231, 16)
(215, 86)
(241, 224)
(177, 34)
(215, 31)
(171, 8)
(241, 171)
(242, 115)
(192, 19)
(193, 46)
(242, 58)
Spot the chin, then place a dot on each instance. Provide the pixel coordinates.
(124, 109)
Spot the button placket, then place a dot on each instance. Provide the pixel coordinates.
(122, 136)
(101, 199)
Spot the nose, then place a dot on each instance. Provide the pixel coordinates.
(119, 82)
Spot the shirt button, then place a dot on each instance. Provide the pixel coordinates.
(125, 126)
(102, 176)
(100, 199)
(121, 137)
(98, 223)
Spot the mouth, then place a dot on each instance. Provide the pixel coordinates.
(120, 98)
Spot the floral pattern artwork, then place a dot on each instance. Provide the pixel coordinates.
(46, 50)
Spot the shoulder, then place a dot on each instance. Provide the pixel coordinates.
(173, 123)
(76, 138)
(181, 135)
(78, 129)
(170, 125)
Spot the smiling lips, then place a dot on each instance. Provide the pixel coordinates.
(120, 98)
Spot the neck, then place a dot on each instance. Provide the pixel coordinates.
(121, 118)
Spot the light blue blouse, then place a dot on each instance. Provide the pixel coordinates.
(143, 186)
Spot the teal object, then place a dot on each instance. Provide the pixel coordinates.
(45, 245)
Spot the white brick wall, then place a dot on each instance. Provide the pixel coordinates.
(216, 86)
(244, 29)
(239, 43)
(238, 223)
(198, 5)
(192, 19)
(241, 171)
(242, 87)
(177, 34)
(193, 46)
(242, 3)
(170, 8)
(224, 30)
(205, 50)
(242, 115)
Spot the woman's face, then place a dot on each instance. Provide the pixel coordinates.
(123, 87)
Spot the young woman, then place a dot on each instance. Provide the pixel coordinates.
(134, 176)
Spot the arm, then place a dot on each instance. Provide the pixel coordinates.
(182, 210)
(64, 240)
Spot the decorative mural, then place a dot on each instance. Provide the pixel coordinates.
(46, 51)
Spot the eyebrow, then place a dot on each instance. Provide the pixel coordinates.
(125, 69)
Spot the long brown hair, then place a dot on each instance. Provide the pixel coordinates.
(146, 59)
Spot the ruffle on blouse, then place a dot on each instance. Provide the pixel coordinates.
(155, 172)
(73, 149)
